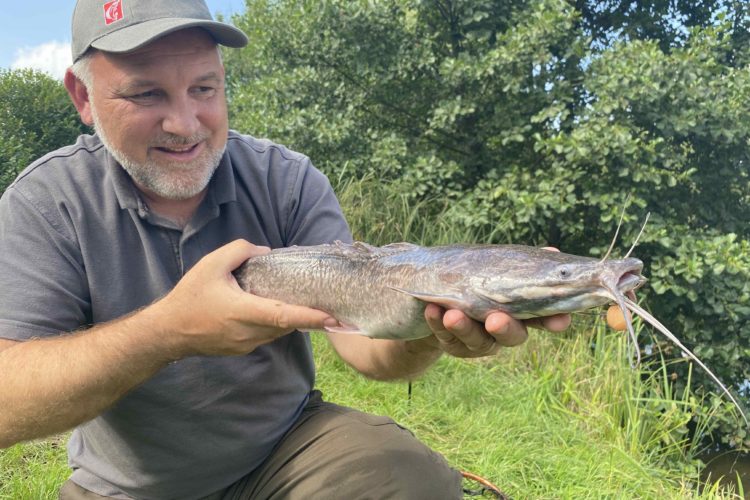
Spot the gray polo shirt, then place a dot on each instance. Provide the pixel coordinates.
(78, 247)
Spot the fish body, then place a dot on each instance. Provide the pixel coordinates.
(381, 292)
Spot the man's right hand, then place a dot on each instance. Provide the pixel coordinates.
(207, 312)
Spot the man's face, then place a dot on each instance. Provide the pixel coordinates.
(161, 111)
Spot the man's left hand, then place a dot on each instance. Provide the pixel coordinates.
(460, 336)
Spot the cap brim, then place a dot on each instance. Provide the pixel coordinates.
(136, 36)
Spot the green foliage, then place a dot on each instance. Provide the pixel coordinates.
(36, 117)
(380, 214)
(549, 419)
(667, 22)
(669, 130)
(702, 289)
(388, 88)
(33, 471)
(533, 122)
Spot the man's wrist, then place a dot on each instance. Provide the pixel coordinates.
(154, 326)
(425, 346)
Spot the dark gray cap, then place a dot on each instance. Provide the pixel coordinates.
(125, 25)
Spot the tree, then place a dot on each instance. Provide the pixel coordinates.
(666, 22)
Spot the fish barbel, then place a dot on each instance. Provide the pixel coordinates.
(381, 292)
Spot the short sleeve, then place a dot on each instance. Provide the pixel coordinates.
(314, 213)
(43, 287)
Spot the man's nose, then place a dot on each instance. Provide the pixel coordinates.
(181, 118)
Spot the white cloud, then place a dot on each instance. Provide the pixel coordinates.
(51, 57)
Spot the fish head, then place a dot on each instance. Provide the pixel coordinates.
(539, 282)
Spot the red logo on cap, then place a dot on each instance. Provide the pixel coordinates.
(112, 11)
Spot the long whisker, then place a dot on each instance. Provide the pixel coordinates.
(640, 233)
(663, 329)
(617, 231)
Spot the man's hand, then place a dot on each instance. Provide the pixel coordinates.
(208, 313)
(460, 336)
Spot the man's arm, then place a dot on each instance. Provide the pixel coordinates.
(453, 333)
(54, 384)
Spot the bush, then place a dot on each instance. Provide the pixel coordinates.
(36, 117)
(701, 285)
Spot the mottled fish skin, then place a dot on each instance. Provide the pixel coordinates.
(381, 292)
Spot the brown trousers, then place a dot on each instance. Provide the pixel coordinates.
(335, 452)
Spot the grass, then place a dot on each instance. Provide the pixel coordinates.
(550, 419)
(32, 471)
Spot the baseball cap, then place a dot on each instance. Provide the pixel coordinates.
(125, 25)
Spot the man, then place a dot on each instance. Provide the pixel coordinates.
(119, 315)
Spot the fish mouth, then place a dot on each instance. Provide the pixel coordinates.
(631, 280)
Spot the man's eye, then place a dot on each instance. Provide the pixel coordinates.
(147, 96)
(204, 91)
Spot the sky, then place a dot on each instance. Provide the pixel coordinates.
(36, 33)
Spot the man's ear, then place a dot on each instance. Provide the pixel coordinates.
(80, 97)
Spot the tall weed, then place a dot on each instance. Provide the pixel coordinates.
(379, 212)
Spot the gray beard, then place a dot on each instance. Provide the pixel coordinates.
(170, 180)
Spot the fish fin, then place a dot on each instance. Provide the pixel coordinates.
(348, 329)
(401, 245)
(363, 247)
(357, 245)
(449, 301)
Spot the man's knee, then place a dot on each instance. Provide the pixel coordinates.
(384, 460)
(338, 452)
(71, 491)
(414, 472)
